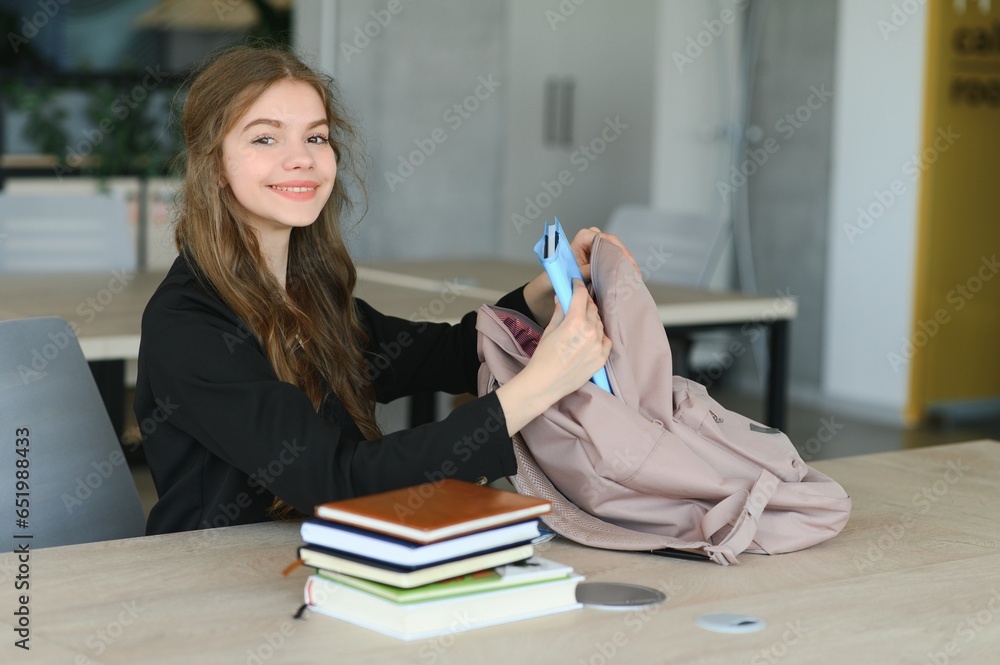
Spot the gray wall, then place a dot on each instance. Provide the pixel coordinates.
(458, 202)
(609, 51)
(401, 86)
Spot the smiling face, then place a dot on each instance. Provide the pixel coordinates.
(278, 159)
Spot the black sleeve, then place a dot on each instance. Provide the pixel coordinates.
(406, 357)
(199, 357)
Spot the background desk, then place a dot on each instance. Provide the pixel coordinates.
(914, 573)
(682, 309)
(107, 309)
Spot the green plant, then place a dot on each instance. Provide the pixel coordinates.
(45, 116)
(125, 139)
(124, 135)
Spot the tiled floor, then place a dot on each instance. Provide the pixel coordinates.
(817, 435)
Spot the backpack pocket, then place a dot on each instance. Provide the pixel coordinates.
(746, 443)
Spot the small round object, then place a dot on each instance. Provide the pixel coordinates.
(731, 622)
(617, 595)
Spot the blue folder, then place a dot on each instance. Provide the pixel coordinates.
(556, 255)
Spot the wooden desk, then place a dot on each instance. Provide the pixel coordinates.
(107, 307)
(912, 579)
(682, 310)
(107, 310)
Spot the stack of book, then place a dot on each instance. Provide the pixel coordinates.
(432, 559)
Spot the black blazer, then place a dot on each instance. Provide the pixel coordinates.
(223, 436)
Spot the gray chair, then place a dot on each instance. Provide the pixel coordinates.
(671, 248)
(62, 471)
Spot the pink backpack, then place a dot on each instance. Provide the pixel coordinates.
(659, 464)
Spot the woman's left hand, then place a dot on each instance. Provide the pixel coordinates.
(584, 242)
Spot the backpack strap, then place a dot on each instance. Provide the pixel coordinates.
(742, 511)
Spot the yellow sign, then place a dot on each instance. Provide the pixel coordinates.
(953, 351)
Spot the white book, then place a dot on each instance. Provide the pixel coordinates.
(414, 621)
(401, 552)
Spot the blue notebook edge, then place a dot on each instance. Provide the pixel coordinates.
(397, 568)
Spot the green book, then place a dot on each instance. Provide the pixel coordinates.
(529, 571)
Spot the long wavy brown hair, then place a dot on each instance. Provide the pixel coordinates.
(310, 330)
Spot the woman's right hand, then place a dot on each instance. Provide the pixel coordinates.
(572, 348)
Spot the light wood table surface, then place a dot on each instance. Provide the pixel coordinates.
(914, 577)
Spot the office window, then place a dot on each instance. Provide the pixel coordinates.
(69, 66)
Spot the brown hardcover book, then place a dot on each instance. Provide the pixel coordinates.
(434, 511)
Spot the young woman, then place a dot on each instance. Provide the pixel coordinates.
(258, 364)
